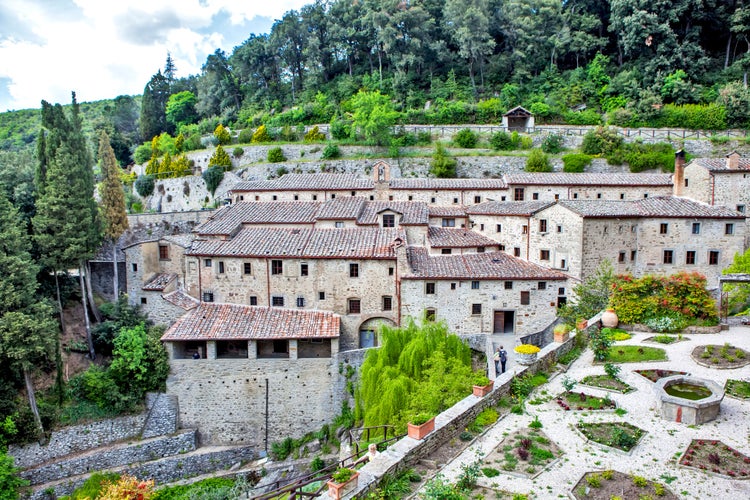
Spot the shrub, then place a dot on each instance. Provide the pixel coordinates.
(488, 416)
(501, 141)
(222, 134)
(552, 143)
(330, 152)
(601, 141)
(642, 157)
(340, 129)
(276, 155)
(576, 162)
(314, 135)
(220, 158)
(442, 165)
(237, 152)
(261, 135)
(585, 117)
(10, 482)
(465, 138)
(538, 161)
(144, 185)
(246, 136)
(213, 177)
(142, 153)
(612, 371)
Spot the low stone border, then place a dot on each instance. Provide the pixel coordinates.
(699, 361)
(604, 446)
(676, 339)
(729, 395)
(700, 330)
(632, 389)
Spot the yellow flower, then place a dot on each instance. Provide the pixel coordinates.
(527, 349)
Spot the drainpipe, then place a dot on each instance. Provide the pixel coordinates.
(713, 189)
(200, 282)
(528, 238)
(268, 285)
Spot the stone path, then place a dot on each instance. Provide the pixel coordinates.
(656, 453)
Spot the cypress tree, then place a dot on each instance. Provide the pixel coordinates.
(112, 201)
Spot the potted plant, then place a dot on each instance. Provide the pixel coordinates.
(562, 332)
(342, 482)
(420, 425)
(609, 318)
(482, 385)
(526, 353)
(581, 324)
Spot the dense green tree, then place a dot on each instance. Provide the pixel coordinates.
(213, 177)
(180, 109)
(154, 105)
(218, 88)
(591, 296)
(373, 117)
(468, 23)
(112, 202)
(10, 481)
(442, 165)
(538, 161)
(220, 158)
(739, 294)
(222, 135)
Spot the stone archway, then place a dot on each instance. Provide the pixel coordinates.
(367, 331)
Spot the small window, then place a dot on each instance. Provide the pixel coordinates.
(563, 264)
(247, 268)
(517, 251)
(525, 229)
(354, 270)
(354, 306)
(543, 254)
(277, 301)
(542, 285)
(253, 300)
(741, 209)
(354, 193)
(713, 258)
(446, 251)
(333, 196)
(475, 285)
(534, 196)
(690, 257)
(432, 200)
(668, 256)
(430, 314)
(429, 288)
(390, 197)
(208, 296)
(387, 303)
(280, 346)
(525, 298)
(509, 285)
(687, 183)
(501, 247)
(257, 198)
(622, 196)
(300, 302)
(304, 269)
(277, 267)
(645, 195)
(221, 267)
(663, 228)
(449, 222)
(453, 286)
(338, 224)
(729, 229)
(480, 249)
(390, 271)
(575, 196)
(557, 196)
(476, 309)
(134, 267)
(389, 220)
(481, 227)
(621, 257)
(559, 229)
(455, 200)
(633, 254)
(321, 296)
(543, 225)
(477, 199)
(411, 198)
(518, 194)
(499, 228)
(143, 300)
(163, 252)
(296, 197)
(598, 196)
(315, 197)
(207, 263)
(274, 197)
(561, 291)
(696, 228)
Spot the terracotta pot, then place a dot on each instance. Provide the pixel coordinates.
(582, 324)
(339, 490)
(481, 391)
(420, 431)
(609, 319)
(561, 337)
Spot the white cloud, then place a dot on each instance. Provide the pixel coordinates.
(102, 49)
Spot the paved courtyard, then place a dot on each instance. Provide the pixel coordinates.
(655, 457)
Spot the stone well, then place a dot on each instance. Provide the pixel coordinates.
(691, 412)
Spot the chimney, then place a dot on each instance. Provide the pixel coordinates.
(733, 160)
(678, 179)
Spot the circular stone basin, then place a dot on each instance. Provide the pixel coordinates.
(690, 400)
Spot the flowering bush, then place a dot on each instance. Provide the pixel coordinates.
(527, 349)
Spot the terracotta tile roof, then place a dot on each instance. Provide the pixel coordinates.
(587, 179)
(230, 219)
(343, 207)
(657, 206)
(459, 184)
(159, 282)
(476, 266)
(447, 211)
(308, 182)
(444, 237)
(720, 164)
(412, 213)
(211, 321)
(181, 299)
(508, 207)
(355, 243)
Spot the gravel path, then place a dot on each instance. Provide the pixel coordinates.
(655, 454)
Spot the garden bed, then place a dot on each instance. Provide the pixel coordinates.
(720, 356)
(620, 435)
(582, 401)
(654, 375)
(666, 339)
(635, 354)
(607, 383)
(739, 389)
(610, 484)
(715, 457)
(526, 452)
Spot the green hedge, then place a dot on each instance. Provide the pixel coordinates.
(576, 162)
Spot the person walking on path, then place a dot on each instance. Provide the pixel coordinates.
(502, 355)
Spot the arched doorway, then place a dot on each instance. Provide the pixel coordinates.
(368, 331)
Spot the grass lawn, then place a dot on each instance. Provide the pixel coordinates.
(620, 435)
(634, 354)
(738, 388)
(607, 382)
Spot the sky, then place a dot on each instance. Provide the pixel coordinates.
(104, 48)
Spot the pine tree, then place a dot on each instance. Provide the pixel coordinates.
(112, 201)
(154, 105)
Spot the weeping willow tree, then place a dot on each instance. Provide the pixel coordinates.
(417, 369)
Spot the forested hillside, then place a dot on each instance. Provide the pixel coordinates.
(626, 62)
